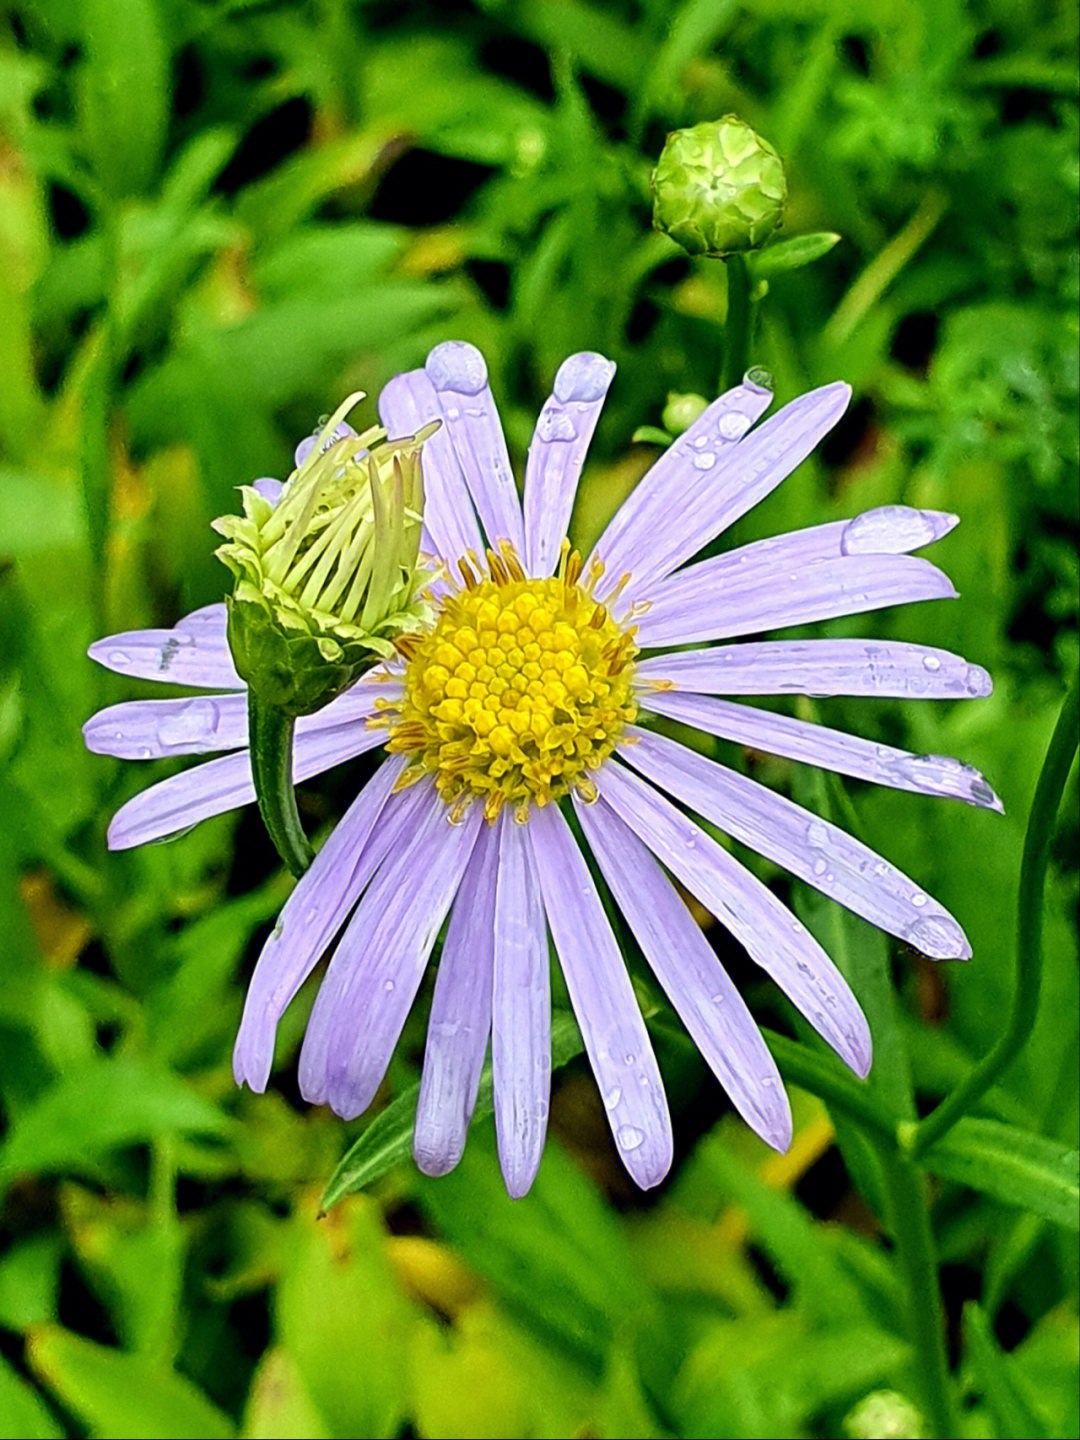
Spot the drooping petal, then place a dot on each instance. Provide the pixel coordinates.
(818, 852)
(521, 1012)
(458, 373)
(696, 983)
(194, 652)
(375, 971)
(460, 1020)
(315, 911)
(711, 481)
(829, 749)
(225, 784)
(771, 935)
(820, 667)
(408, 402)
(616, 1040)
(557, 453)
(680, 611)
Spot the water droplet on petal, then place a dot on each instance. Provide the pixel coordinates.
(931, 662)
(457, 365)
(388, 986)
(820, 865)
(704, 460)
(938, 936)
(733, 424)
(918, 899)
(629, 1137)
(817, 833)
(612, 1098)
(555, 424)
(583, 377)
(119, 657)
(194, 720)
(891, 530)
(977, 681)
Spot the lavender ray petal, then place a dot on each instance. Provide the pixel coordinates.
(681, 611)
(670, 493)
(460, 1020)
(830, 749)
(377, 967)
(304, 449)
(458, 372)
(557, 453)
(195, 652)
(768, 931)
(153, 729)
(718, 481)
(894, 530)
(225, 784)
(407, 402)
(616, 1040)
(269, 488)
(819, 667)
(315, 911)
(818, 852)
(696, 983)
(521, 1012)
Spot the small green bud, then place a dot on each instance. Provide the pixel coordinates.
(327, 577)
(884, 1415)
(718, 188)
(681, 411)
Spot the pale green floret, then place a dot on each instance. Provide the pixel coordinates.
(329, 577)
(718, 188)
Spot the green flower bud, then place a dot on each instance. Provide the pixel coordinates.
(328, 577)
(681, 411)
(718, 188)
(884, 1415)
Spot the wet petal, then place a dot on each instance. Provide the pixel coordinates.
(194, 652)
(521, 1014)
(682, 610)
(820, 667)
(376, 969)
(458, 373)
(818, 852)
(696, 983)
(225, 784)
(408, 402)
(616, 1040)
(376, 821)
(557, 453)
(460, 1020)
(771, 935)
(829, 749)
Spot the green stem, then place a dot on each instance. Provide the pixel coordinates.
(909, 1222)
(737, 325)
(270, 732)
(1040, 832)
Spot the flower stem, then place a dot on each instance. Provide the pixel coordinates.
(737, 325)
(916, 1139)
(270, 733)
(909, 1222)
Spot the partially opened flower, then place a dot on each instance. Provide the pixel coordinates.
(529, 697)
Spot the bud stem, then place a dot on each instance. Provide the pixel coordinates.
(270, 734)
(737, 326)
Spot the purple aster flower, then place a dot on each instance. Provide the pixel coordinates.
(529, 696)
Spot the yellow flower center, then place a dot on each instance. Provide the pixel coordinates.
(520, 689)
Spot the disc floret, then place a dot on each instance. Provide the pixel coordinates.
(522, 687)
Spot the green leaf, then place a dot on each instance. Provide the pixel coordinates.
(387, 1140)
(125, 91)
(95, 1109)
(121, 1395)
(792, 254)
(23, 1413)
(1039, 1175)
(1003, 1388)
(29, 1280)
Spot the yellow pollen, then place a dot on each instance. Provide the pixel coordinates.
(521, 689)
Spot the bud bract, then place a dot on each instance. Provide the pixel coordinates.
(718, 188)
(327, 576)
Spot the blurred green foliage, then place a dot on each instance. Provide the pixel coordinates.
(218, 216)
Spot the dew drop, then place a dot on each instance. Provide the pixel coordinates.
(704, 460)
(583, 378)
(890, 530)
(817, 834)
(145, 752)
(388, 986)
(938, 936)
(629, 1137)
(820, 865)
(612, 1098)
(977, 681)
(119, 657)
(194, 720)
(918, 899)
(555, 424)
(457, 365)
(453, 413)
(733, 424)
(931, 663)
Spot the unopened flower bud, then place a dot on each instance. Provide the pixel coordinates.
(327, 575)
(884, 1415)
(681, 411)
(718, 188)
